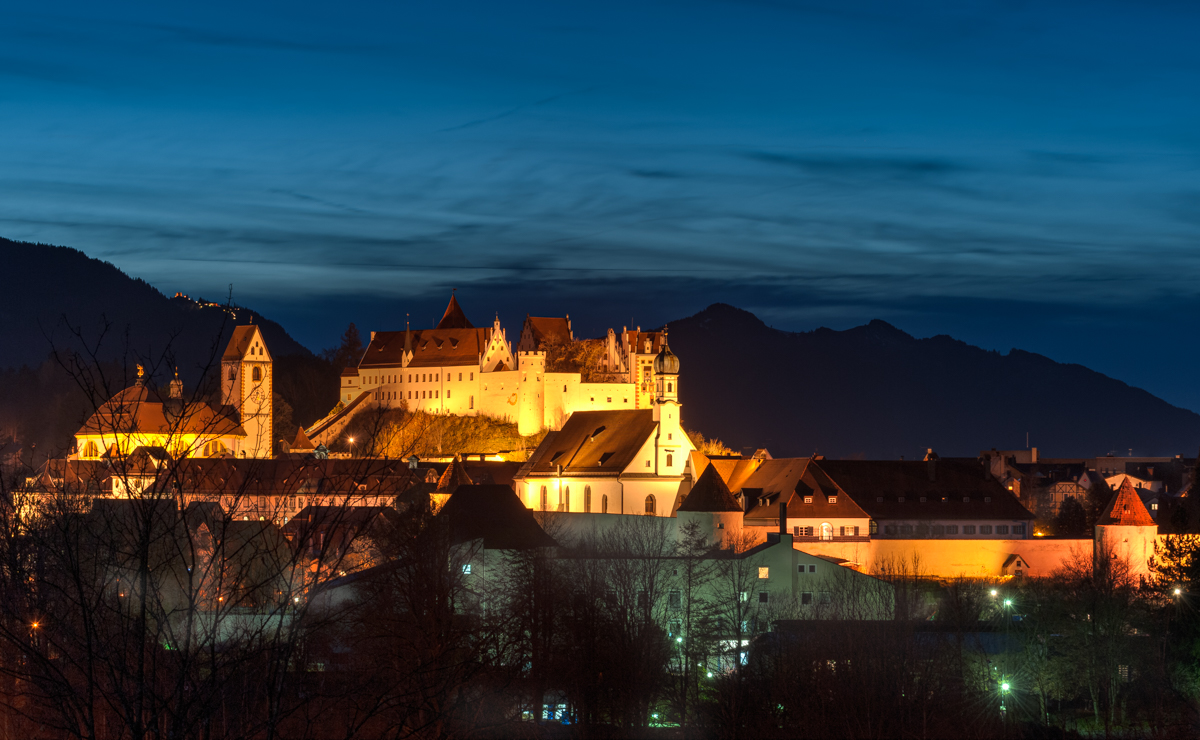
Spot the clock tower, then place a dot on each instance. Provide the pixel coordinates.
(247, 387)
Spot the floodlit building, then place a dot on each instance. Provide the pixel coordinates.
(458, 368)
(240, 427)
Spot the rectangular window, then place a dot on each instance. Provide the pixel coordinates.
(1019, 529)
(808, 499)
(951, 529)
(812, 569)
(675, 600)
(764, 597)
(472, 376)
(467, 569)
(985, 529)
(808, 531)
(833, 499)
(841, 531)
(889, 529)
(796, 531)
(806, 597)
(1001, 529)
(906, 529)
(447, 393)
(939, 530)
(647, 463)
(968, 529)
(743, 596)
(855, 531)
(471, 403)
(764, 572)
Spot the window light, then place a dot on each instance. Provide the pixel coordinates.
(764, 572)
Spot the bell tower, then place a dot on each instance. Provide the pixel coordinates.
(247, 387)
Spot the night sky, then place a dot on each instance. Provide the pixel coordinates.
(1013, 173)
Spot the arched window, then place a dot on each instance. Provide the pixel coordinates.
(604, 504)
(669, 460)
(232, 373)
(669, 387)
(564, 499)
(543, 498)
(826, 531)
(650, 504)
(587, 499)
(91, 450)
(256, 375)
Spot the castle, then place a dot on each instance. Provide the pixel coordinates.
(458, 368)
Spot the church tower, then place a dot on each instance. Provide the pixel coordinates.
(670, 441)
(247, 387)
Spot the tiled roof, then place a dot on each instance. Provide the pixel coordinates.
(138, 409)
(953, 489)
(793, 481)
(495, 515)
(1126, 509)
(302, 442)
(454, 318)
(544, 327)
(710, 494)
(452, 477)
(594, 442)
(239, 342)
(431, 348)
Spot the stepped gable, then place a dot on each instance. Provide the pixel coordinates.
(452, 477)
(1126, 509)
(710, 494)
(454, 318)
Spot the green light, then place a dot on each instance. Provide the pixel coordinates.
(1008, 602)
(1004, 686)
(678, 639)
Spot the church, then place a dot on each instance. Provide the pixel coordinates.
(241, 426)
(459, 368)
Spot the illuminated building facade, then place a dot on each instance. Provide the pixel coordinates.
(458, 368)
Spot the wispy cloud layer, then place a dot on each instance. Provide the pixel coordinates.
(817, 163)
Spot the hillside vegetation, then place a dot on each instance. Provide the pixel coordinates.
(399, 433)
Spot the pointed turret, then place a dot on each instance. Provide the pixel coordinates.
(454, 318)
(452, 477)
(1126, 509)
(710, 494)
(302, 442)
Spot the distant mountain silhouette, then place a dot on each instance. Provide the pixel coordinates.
(878, 392)
(50, 284)
(54, 291)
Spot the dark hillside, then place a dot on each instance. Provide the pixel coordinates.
(876, 391)
(53, 291)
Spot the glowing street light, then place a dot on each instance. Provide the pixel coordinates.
(1008, 602)
(1004, 687)
(995, 593)
(1178, 591)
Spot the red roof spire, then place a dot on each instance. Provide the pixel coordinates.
(1126, 508)
(454, 318)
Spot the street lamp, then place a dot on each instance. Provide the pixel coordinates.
(351, 440)
(995, 593)
(1178, 591)
(1008, 602)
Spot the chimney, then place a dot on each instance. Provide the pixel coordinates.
(782, 518)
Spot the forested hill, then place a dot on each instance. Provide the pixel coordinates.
(881, 393)
(53, 291)
(48, 285)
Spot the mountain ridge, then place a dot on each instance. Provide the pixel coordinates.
(877, 391)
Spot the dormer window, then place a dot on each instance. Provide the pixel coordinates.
(922, 499)
(808, 499)
(900, 499)
(833, 499)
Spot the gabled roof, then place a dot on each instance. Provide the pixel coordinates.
(1126, 509)
(953, 489)
(495, 515)
(793, 481)
(439, 347)
(454, 318)
(710, 494)
(542, 328)
(593, 443)
(239, 342)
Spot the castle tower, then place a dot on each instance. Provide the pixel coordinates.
(1125, 531)
(532, 396)
(247, 386)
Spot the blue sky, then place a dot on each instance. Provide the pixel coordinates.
(1010, 173)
